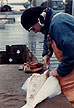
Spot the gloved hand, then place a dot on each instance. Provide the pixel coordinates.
(46, 60)
(53, 73)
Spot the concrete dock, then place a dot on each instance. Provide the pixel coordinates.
(12, 96)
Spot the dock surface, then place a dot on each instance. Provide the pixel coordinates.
(12, 96)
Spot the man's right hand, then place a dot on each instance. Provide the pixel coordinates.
(46, 60)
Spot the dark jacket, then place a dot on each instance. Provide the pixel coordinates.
(61, 30)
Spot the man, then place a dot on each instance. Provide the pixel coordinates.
(59, 32)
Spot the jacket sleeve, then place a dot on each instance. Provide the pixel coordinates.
(64, 38)
(46, 50)
(67, 64)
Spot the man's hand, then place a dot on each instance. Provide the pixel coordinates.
(46, 60)
(53, 73)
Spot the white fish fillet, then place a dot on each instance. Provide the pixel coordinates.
(33, 85)
(39, 87)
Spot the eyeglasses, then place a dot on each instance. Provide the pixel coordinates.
(29, 29)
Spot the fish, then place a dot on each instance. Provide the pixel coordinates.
(39, 87)
(33, 67)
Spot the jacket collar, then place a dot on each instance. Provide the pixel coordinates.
(49, 14)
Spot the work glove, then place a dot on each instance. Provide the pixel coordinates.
(46, 60)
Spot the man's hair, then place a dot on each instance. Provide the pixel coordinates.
(30, 16)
